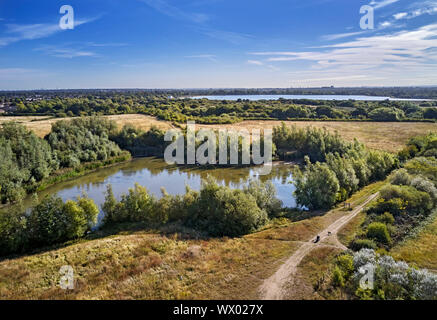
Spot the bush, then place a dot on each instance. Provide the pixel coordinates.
(359, 244)
(386, 114)
(337, 277)
(401, 177)
(50, 222)
(216, 210)
(221, 211)
(392, 280)
(265, 196)
(415, 201)
(317, 187)
(386, 218)
(379, 232)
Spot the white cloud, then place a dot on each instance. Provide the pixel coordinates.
(210, 57)
(382, 4)
(69, 53)
(330, 37)
(255, 62)
(19, 32)
(400, 55)
(400, 15)
(385, 24)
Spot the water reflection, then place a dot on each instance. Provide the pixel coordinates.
(156, 174)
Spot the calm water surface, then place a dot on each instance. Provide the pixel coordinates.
(311, 97)
(156, 174)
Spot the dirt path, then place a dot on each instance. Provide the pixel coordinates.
(272, 288)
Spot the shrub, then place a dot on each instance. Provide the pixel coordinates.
(401, 177)
(359, 244)
(216, 210)
(265, 196)
(392, 280)
(221, 211)
(386, 218)
(337, 277)
(379, 232)
(416, 202)
(386, 114)
(317, 187)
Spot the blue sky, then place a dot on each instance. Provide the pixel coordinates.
(217, 43)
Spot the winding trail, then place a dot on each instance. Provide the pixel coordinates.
(273, 287)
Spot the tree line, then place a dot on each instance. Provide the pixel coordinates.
(209, 111)
(27, 160)
(333, 168)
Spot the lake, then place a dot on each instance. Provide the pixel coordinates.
(311, 97)
(155, 174)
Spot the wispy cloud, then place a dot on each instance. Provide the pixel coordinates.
(66, 52)
(382, 4)
(396, 55)
(255, 62)
(169, 10)
(229, 36)
(209, 57)
(417, 9)
(260, 63)
(330, 37)
(21, 73)
(19, 32)
(400, 15)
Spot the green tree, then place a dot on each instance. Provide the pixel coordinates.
(317, 187)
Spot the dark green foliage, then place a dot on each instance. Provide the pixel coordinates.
(160, 103)
(215, 210)
(425, 145)
(265, 196)
(359, 244)
(378, 231)
(50, 222)
(221, 211)
(313, 142)
(82, 140)
(415, 201)
(386, 114)
(25, 160)
(386, 218)
(317, 187)
(141, 143)
(348, 166)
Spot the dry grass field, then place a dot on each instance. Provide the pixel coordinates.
(42, 125)
(388, 136)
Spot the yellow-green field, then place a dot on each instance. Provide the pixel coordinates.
(42, 125)
(389, 136)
